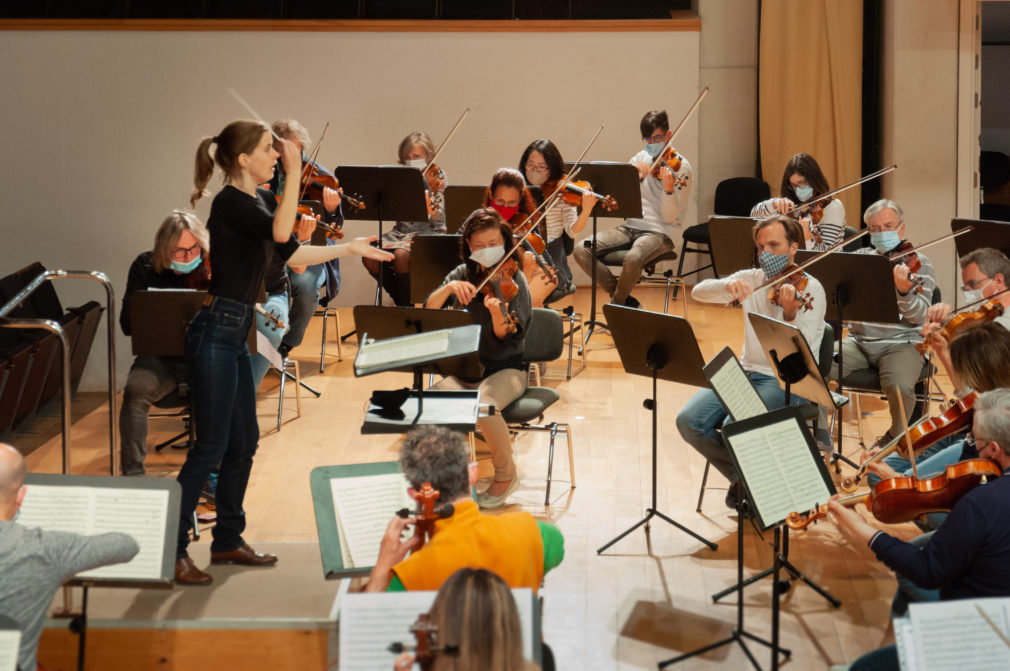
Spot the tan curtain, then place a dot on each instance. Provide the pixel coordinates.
(810, 85)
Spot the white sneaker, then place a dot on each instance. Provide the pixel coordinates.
(485, 500)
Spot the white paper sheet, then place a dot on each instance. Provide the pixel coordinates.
(10, 644)
(363, 507)
(953, 636)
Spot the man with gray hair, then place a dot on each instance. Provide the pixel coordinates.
(34, 563)
(887, 351)
(968, 555)
(514, 545)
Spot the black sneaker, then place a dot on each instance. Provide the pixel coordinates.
(632, 302)
(284, 349)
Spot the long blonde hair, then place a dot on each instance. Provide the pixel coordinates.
(168, 235)
(238, 137)
(476, 613)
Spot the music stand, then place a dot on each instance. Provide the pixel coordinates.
(382, 323)
(10, 643)
(730, 252)
(460, 202)
(389, 192)
(656, 345)
(159, 319)
(994, 234)
(431, 259)
(621, 181)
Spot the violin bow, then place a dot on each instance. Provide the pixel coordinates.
(669, 143)
(834, 192)
(452, 131)
(942, 238)
(312, 159)
(814, 259)
(248, 108)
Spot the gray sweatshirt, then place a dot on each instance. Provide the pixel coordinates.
(33, 565)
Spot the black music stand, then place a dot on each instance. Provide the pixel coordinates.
(732, 244)
(852, 286)
(431, 259)
(994, 234)
(389, 192)
(460, 202)
(656, 345)
(621, 181)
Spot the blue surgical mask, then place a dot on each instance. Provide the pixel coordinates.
(772, 264)
(655, 148)
(885, 241)
(17, 514)
(187, 268)
(804, 193)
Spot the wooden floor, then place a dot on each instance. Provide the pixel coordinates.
(646, 599)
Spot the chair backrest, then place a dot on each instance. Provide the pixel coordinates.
(544, 336)
(826, 351)
(734, 197)
(855, 244)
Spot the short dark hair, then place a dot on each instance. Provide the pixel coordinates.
(439, 456)
(990, 261)
(806, 166)
(653, 121)
(551, 154)
(794, 232)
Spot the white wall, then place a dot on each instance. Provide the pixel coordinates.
(100, 128)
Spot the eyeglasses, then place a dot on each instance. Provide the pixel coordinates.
(972, 285)
(184, 253)
(536, 167)
(799, 184)
(658, 137)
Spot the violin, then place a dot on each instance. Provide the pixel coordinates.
(798, 279)
(815, 212)
(988, 311)
(905, 499)
(313, 182)
(272, 320)
(922, 435)
(672, 160)
(904, 253)
(199, 278)
(426, 514)
(573, 192)
(432, 177)
(426, 643)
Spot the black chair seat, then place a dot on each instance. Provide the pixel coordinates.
(697, 234)
(530, 406)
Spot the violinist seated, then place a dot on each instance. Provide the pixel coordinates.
(666, 196)
(543, 166)
(503, 323)
(304, 282)
(475, 611)
(509, 196)
(803, 181)
(777, 239)
(177, 261)
(415, 151)
(968, 555)
(513, 545)
(980, 361)
(278, 305)
(888, 351)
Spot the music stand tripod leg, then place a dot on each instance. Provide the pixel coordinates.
(591, 324)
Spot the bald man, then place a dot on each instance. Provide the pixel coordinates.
(34, 563)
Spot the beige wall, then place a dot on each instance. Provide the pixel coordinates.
(100, 128)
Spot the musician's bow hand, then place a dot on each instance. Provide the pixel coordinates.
(936, 315)
(739, 290)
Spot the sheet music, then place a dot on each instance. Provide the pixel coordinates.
(10, 645)
(264, 347)
(140, 513)
(736, 392)
(363, 507)
(370, 622)
(779, 469)
(954, 636)
(405, 349)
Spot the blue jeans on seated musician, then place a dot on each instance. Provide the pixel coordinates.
(304, 288)
(699, 420)
(277, 305)
(224, 409)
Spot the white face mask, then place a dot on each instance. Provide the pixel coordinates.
(536, 178)
(488, 256)
(418, 163)
(975, 295)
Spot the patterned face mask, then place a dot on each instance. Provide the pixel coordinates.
(772, 264)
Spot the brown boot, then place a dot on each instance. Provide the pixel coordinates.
(186, 573)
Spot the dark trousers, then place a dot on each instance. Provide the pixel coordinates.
(224, 409)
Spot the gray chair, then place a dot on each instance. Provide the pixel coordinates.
(544, 342)
(615, 258)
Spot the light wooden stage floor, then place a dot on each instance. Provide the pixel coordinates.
(646, 599)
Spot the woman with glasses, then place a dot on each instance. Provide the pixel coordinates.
(177, 261)
(543, 166)
(803, 181)
(665, 198)
(415, 151)
(247, 226)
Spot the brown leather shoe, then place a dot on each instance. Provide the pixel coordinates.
(186, 573)
(244, 555)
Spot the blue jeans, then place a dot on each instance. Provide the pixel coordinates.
(881, 659)
(930, 462)
(304, 288)
(224, 409)
(277, 305)
(699, 420)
